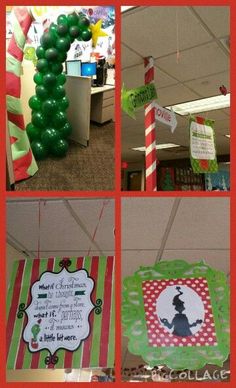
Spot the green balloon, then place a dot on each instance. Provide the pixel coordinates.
(59, 119)
(83, 23)
(71, 39)
(63, 104)
(62, 29)
(35, 103)
(39, 150)
(48, 39)
(63, 44)
(42, 65)
(86, 35)
(74, 31)
(51, 54)
(65, 131)
(38, 78)
(50, 136)
(60, 148)
(38, 120)
(58, 92)
(56, 68)
(40, 52)
(53, 30)
(49, 80)
(62, 57)
(62, 19)
(33, 132)
(72, 19)
(41, 92)
(49, 106)
(61, 79)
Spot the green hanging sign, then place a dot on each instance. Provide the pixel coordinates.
(177, 314)
(202, 145)
(133, 99)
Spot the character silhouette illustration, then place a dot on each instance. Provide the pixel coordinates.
(180, 321)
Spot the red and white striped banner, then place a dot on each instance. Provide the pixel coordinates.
(150, 131)
(23, 160)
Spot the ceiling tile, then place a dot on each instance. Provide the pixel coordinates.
(200, 223)
(129, 58)
(134, 77)
(216, 18)
(158, 24)
(195, 63)
(133, 259)
(209, 86)
(89, 212)
(22, 222)
(58, 230)
(218, 259)
(175, 94)
(144, 222)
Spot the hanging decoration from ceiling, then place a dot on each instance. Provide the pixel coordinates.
(60, 313)
(136, 98)
(177, 314)
(202, 145)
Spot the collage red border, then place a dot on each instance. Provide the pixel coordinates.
(116, 194)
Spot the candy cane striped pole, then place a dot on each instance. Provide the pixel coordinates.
(150, 131)
(23, 160)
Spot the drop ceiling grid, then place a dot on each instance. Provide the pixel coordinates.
(52, 239)
(195, 229)
(180, 83)
(191, 31)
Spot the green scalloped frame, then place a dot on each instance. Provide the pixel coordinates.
(178, 358)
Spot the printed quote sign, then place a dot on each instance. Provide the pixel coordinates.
(202, 141)
(59, 311)
(202, 145)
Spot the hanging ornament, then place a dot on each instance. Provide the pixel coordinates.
(177, 314)
(223, 90)
(97, 32)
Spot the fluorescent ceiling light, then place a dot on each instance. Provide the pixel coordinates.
(228, 136)
(158, 147)
(203, 105)
(124, 8)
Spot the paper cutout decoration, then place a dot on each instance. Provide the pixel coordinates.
(177, 314)
(166, 116)
(60, 313)
(202, 145)
(97, 32)
(133, 99)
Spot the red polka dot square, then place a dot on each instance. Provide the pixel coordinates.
(158, 335)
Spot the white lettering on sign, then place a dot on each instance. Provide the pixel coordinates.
(58, 315)
(202, 141)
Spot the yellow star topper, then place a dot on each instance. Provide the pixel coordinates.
(97, 32)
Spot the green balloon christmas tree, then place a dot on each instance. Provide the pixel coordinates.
(49, 127)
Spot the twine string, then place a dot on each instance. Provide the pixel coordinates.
(104, 204)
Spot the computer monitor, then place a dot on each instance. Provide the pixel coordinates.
(88, 69)
(73, 67)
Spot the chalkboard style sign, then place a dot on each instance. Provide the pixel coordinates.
(177, 314)
(60, 313)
